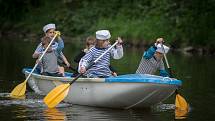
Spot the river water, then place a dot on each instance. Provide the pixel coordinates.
(196, 72)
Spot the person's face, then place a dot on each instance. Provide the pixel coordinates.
(106, 43)
(50, 33)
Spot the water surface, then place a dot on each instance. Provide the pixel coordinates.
(196, 72)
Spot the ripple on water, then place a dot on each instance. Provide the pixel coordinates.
(31, 100)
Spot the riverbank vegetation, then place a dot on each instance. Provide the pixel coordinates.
(182, 23)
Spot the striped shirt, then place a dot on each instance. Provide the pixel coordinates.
(101, 67)
(149, 64)
(54, 46)
(39, 48)
(49, 60)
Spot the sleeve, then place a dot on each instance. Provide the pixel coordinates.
(39, 48)
(38, 51)
(150, 52)
(85, 60)
(54, 45)
(60, 46)
(117, 52)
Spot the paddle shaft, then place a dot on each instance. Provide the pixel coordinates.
(182, 104)
(40, 58)
(79, 75)
(167, 63)
(169, 69)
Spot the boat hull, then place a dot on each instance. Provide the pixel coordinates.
(100, 92)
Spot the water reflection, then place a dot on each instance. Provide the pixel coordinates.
(33, 108)
(84, 113)
(53, 114)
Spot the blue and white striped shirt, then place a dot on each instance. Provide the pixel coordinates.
(149, 64)
(101, 67)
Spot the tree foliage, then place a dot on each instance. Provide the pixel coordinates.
(189, 22)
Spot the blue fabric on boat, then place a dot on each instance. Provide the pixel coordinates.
(164, 73)
(67, 74)
(144, 78)
(133, 78)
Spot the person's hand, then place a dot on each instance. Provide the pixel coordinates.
(67, 64)
(37, 61)
(58, 33)
(119, 41)
(114, 74)
(159, 40)
(82, 70)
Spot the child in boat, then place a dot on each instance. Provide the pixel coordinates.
(152, 60)
(49, 31)
(101, 68)
(90, 42)
(49, 61)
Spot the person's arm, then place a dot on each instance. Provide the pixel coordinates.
(84, 62)
(60, 46)
(38, 51)
(117, 52)
(150, 52)
(113, 71)
(65, 60)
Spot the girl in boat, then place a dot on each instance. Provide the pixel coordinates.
(90, 42)
(49, 31)
(101, 68)
(152, 59)
(49, 63)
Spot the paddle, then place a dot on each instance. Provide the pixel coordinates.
(180, 102)
(20, 89)
(55, 96)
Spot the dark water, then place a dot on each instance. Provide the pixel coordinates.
(196, 72)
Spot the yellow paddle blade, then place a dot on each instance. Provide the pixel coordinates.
(19, 90)
(181, 103)
(56, 95)
(180, 114)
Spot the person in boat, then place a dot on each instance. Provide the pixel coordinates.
(49, 31)
(49, 62)
(152, 60)
(101, 68)
(90, 42)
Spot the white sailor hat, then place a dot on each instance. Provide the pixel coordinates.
(48, 26)
(103, 34)
(161, 50)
